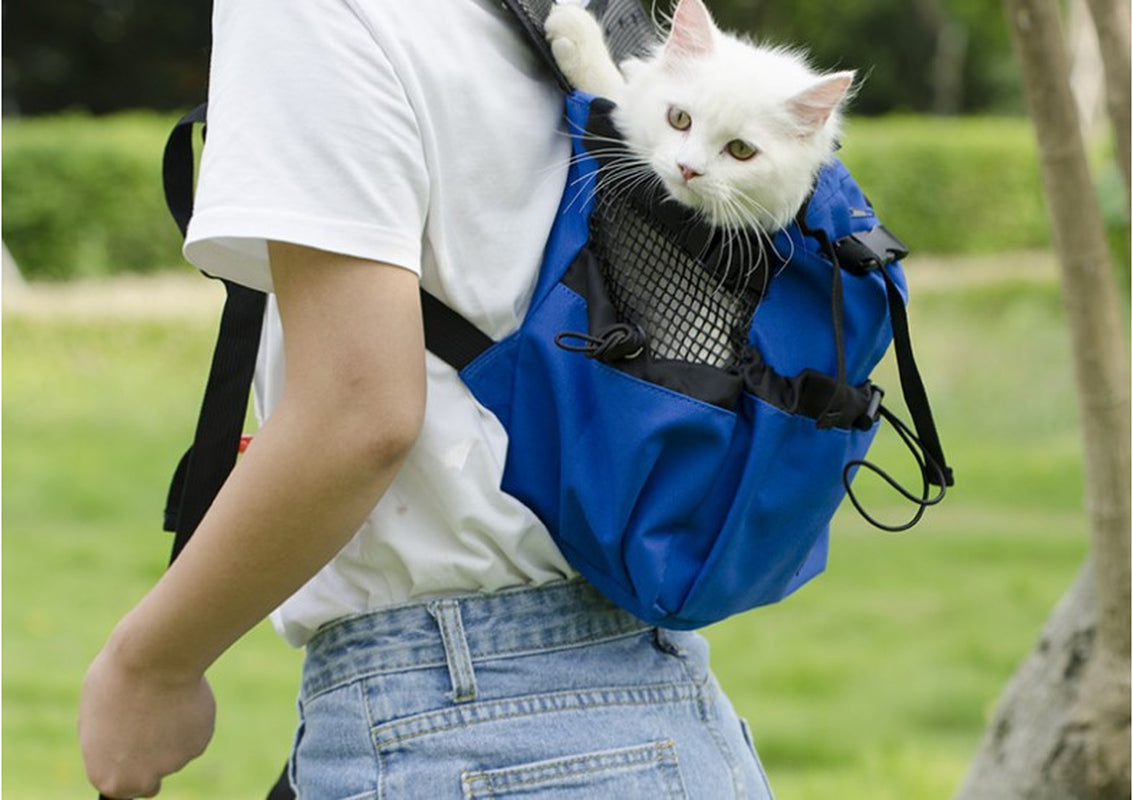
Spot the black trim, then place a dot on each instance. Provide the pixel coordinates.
(815, 395)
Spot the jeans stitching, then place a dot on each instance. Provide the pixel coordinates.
(663, 754)
(466, 716)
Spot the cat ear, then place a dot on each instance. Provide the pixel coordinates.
(692, 30)
(813, 107)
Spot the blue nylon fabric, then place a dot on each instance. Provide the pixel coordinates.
(682, 512)
(799, 299)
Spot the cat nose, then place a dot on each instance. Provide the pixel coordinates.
(688, 173)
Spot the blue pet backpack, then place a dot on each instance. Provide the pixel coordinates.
(685, 409)
(684, 490)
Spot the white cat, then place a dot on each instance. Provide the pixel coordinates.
(733, 130)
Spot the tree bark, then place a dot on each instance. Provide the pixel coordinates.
(1112, 21)
(1028, 740)
(1087, 753)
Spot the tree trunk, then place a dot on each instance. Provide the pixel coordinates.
(1087, 75)
(1032, 734)
(1111, 20)
(1085, 754)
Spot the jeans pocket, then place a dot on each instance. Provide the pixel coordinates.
(644, 772)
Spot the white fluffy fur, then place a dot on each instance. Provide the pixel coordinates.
(731, 89)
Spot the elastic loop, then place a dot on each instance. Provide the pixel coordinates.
(615, 343)
(927, 466)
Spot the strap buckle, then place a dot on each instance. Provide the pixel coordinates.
(861, 253)
(873, 411)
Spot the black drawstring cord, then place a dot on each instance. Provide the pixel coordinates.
(925, 463)
(614, 343)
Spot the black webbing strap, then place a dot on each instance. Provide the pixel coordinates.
(937, 472)
(206, 464)
(216, 441)
(530, 15)
(860, 254)
(177, 167)
(450, 336)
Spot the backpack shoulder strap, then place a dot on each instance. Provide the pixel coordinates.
(205, 465)
(628, 29)
(530, 14)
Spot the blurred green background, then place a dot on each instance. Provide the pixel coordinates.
(875, 681)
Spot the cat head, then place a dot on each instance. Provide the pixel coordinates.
(733, 130)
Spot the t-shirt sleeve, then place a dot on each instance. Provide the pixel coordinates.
(310, 140)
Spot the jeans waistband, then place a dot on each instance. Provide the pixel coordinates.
(461, 629)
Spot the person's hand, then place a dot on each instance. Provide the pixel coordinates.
(136, 726)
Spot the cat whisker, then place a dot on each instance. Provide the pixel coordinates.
(587, 186)
(746, 237)
(783, 259)
(594, 137)
(624, 177)
(621, 171)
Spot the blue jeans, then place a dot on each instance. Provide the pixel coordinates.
(534, 693)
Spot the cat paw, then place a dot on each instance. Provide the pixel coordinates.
(572, 32)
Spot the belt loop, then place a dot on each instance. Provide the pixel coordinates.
(447, 615)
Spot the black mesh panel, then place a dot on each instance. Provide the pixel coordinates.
(690, 310)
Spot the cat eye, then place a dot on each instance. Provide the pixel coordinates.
(679, 118)
(741, 150)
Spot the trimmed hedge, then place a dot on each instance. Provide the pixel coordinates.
(951, 185)
(82, 195)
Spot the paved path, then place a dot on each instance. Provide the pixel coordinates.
(182, 292)
(176, 293)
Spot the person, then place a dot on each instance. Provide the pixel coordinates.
(359, 149)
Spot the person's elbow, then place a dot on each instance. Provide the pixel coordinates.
(383, 424)
(389, 433)
(363, 419)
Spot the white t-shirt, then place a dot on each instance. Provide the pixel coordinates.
(423, 134)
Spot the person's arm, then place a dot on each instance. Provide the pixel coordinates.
(352, 406)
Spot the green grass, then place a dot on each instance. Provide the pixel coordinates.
(95, 415)
(874, 682)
